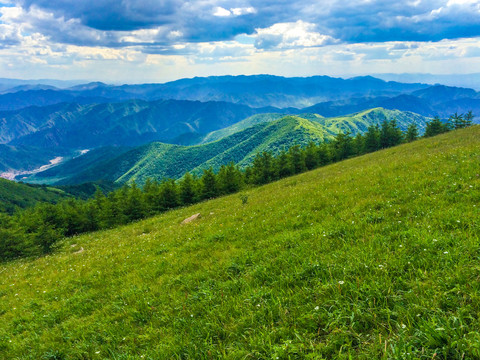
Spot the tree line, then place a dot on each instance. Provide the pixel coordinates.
(35, 231)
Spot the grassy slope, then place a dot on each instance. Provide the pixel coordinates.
(374, 257)
(14, 195)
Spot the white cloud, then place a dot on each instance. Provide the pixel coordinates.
(221, 12)
(243, 11)
(291, 35)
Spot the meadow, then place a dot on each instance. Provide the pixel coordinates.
(375, 257)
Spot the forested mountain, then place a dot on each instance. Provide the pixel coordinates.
(238, 143)
(15, 196)
(159, 160)
(353, 123)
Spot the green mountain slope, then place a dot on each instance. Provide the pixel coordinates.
(355, 123)
(239, 143)
(374, 257)
(94, 158)
(359, 122)
(160, 160)
(14, 195)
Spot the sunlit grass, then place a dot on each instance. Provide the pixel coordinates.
(373, 257)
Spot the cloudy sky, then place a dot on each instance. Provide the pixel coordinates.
(158, 40)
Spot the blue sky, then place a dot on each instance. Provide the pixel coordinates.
(137, 41)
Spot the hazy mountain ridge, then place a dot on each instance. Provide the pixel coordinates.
(254, 91)
(129, 123)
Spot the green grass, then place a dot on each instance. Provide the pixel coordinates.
(376, 257)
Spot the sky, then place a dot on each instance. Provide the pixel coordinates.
(138, 41)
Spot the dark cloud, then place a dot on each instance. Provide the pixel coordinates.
(111, 14)
(102, 22)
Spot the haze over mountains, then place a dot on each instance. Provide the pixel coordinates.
(41, 122)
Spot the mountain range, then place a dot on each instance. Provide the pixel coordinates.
(238, 143)
(121, 126)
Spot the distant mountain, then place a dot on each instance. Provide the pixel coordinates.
(440, 94)
(253, 91)
(6, 84)
(461, 80)
(129, 123)
(27, 87)
(238, 143)
(434, 101)
(268, 90)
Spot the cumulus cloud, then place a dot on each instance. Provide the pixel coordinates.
(291, 35)
(218, 20)
(66, 32)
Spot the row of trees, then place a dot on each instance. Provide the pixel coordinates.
(36, 230)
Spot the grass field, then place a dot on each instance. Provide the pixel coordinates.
(376, 257)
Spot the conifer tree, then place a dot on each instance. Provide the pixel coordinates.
(342, 146)
(435, 127)
(372, 139)
(311, 158)
(297, 158)
(263, 170)
(323, 154)
(169, 194)
(209, 184)
(412, 133)
(468, 118)
(282, 165)
(229, 179)
(358, 144)
(187, 189)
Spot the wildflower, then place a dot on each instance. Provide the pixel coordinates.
(341, 282)
(445, 252)
(404, 326)
(317, 307)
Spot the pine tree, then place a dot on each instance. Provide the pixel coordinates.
(372, 139)
(456, 121)
(412, 133)
(297, 158)
(468, 118)
(229, 179)
(311, 158)
(435, 127)
(282, 165)
(358, 144)
(188, 194)
(342, 146)
(209, 184)
(390, 134)
(263, 169)
(323, 154)
(169, 194)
